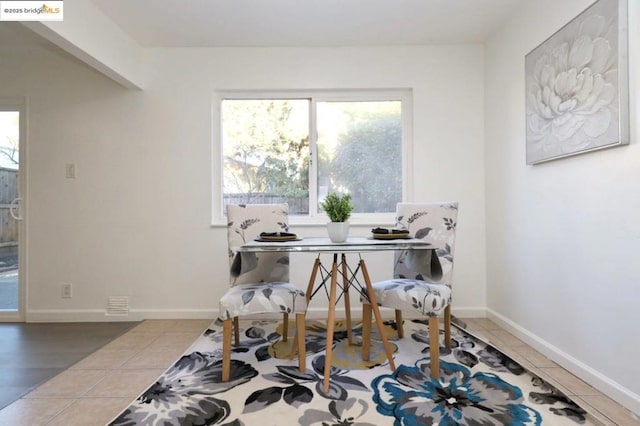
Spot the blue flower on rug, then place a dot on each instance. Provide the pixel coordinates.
(411, 396)
(184, 394)
(338, 413)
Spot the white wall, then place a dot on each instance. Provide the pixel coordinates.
(137, 220)
(563, 237)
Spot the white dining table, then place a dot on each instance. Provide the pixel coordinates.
(340, 268)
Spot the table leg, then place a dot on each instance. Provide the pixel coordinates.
(347, 302)
(376, 313)
(312, 279)
(331, 322)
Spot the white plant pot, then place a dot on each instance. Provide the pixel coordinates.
(338, 231)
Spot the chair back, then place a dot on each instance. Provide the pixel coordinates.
(431, 222)
(244, 224)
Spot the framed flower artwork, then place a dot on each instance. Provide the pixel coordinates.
(577, 89)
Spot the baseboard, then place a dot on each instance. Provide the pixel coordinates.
(97, 315)
(10, 317)
(609, 387)
(176, 313)
(100, 315)
(93, 315)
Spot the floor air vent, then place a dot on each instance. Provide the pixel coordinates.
(118, 305)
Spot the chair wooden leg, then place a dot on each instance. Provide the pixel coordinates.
(447, 327)
(366, 331)
(236, 331)
(226, 349)
(285, 326)
(399, 324)
(434, 347)
(302, 350)
(312, 280)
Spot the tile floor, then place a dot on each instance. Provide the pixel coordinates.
(96, 389)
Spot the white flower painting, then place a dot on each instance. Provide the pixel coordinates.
(576, 86)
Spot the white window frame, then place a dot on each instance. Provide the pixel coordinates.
(315, 218)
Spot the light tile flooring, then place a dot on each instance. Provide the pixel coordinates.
(96, 389)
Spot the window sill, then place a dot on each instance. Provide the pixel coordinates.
(356, 221)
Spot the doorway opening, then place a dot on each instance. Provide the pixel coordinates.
(9, 210)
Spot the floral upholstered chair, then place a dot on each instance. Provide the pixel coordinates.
(259, 281)
(420, 293)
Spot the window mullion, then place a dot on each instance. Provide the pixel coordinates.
(313, 159)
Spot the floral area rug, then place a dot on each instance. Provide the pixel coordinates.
(478, 385)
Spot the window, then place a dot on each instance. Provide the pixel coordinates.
(297, 149)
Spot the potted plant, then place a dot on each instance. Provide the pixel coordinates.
(338, 208)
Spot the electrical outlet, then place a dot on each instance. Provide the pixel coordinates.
(66, 291)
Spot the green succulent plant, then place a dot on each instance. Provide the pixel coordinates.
(338, 207)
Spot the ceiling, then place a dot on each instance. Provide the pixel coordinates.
(235, 23)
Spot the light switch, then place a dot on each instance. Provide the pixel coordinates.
(71, 171)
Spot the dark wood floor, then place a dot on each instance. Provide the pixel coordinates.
(30, 354)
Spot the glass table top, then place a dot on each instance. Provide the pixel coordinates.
(324, 244)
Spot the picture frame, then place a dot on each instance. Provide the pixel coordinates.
(577, 86)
